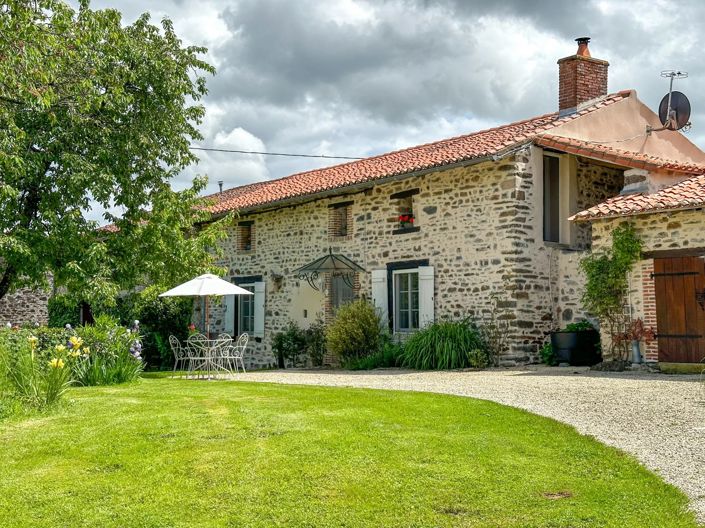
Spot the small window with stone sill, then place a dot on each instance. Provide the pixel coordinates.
(245, 236)
(340, 220)
(405, 211)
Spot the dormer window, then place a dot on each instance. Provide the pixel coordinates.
(245, 236)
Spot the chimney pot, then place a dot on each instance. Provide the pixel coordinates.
(583, 49)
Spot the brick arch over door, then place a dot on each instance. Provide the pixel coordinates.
(680, 308)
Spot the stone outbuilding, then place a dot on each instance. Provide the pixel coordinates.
(668, 285)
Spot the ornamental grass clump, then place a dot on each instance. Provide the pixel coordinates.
(446, 345)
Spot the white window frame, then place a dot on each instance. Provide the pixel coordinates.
(395, 309)
(250, 286)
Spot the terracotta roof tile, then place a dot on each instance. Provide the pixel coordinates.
(454, 150)
(688, 194)
(625, 158)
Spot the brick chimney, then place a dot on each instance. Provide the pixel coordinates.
(580, 78)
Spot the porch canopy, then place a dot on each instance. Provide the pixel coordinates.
(335, 264)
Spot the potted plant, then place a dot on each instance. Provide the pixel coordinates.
(578, 344)
(634, 333)
(406, 220)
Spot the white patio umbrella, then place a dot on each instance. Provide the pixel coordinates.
(205, 286)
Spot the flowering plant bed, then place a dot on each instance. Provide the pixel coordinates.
(38, 364)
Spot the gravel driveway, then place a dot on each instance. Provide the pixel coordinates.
(658, 418)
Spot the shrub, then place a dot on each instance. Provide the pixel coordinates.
(446, 345)
(109, 354)
(386, 357)
(315, 336)
(289, 345)
(548, 355)
(159, 318)
(298, 346)
(355, 332)
(63, 310)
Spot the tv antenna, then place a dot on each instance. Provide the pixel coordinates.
(674, 109)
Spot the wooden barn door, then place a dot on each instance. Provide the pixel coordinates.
(680, 309)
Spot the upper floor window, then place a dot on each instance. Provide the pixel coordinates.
(340, 219)
(551, 199)
(245, 236)
(405, 210)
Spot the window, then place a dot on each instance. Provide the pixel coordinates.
(245, 236)
(405, 211)
(246, 310)
(406, 301)
(341, 292)
(551, 199)
(340, 219)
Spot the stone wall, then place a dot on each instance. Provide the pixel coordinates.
(25, 306)
(548, 285)
(595, 183)
(478, 226)
(660, 232)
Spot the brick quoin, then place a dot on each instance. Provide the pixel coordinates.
(649, 293)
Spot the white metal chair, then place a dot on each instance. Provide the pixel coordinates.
(179, 352)
(238, 351)
(196, 353)
(220, 352)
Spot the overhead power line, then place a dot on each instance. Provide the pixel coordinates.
(285, 154)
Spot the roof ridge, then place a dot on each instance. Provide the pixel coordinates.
(455, 149)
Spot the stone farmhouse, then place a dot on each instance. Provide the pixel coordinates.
(493, 220)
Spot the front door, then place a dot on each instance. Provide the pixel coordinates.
(680, 309)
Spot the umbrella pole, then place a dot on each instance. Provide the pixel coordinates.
(208, 324)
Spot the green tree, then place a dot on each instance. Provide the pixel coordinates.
(92, 111)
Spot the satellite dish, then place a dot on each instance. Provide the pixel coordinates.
(679, 111)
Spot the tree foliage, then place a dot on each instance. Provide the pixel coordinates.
(96, 112)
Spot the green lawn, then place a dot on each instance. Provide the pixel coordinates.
(188, 453)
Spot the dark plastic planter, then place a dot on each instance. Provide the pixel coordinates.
(576, 348)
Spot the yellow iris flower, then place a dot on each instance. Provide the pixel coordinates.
(57, 363)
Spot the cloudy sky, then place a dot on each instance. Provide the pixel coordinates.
(357, 78)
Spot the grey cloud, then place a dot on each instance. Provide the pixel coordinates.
(299, 79)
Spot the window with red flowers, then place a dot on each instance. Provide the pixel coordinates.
(406, 221)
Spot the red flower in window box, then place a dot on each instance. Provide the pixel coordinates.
(406, 220)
